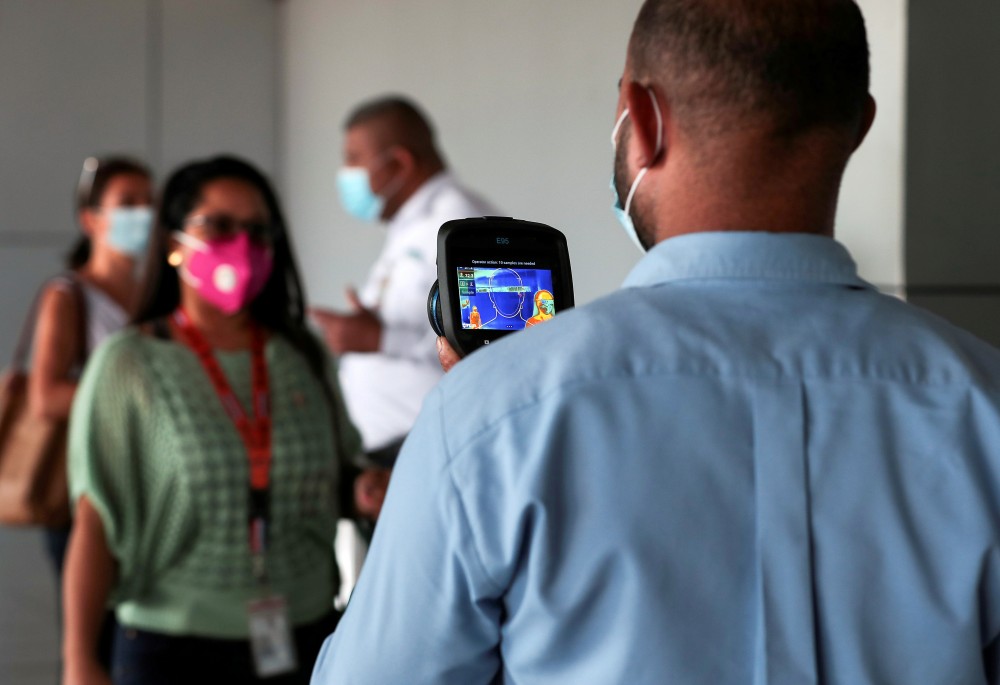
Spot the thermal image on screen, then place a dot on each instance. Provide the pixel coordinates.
(504, 298)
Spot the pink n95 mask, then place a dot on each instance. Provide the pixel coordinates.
(229, 272)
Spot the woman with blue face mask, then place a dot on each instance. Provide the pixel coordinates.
(91, 299)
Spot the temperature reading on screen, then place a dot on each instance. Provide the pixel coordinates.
(504, 296)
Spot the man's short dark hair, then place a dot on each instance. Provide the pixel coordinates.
(407, 125)
(792, 64)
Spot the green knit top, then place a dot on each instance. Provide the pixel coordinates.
(158, 457)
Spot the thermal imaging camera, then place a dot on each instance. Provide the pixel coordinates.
(496, 276)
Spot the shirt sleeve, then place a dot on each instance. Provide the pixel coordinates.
(415, 343)
(406, 330)
(104, 453)
(347, 437)
(423, 593)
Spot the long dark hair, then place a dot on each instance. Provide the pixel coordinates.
(280, 307)
(94, 179)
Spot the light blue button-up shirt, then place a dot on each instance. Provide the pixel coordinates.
(745, 467)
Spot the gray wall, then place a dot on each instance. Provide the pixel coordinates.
(165, 80)
(953, 163)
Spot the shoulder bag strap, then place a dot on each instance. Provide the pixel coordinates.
(82, 317)
(23, 348)
(24, 338)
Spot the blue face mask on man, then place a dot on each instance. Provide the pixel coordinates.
(623, 212)
(356, 195)
(129, 229)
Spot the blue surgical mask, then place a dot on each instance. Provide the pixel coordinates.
(356, 196)
(129, 229)
(623, 212)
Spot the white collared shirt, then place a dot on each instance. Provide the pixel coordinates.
(384, 390)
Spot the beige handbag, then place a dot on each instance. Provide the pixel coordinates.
(33, 484)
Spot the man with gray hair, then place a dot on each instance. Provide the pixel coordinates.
(747, 466)
(393, 173)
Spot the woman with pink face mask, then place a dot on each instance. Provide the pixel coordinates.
(208, 450)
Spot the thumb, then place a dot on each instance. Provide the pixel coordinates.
(446, 354)
(354, 300)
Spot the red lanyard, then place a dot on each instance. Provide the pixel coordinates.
(255, 430)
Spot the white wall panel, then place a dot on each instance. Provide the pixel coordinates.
(870, 220)
(522, 92)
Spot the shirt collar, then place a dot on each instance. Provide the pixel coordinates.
(418, 204)
(747, 255)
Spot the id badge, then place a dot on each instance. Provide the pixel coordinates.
(271, 637)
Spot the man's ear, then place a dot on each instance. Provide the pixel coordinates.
(867, 119)
(648, 113)
(405, 159)
(85, 217)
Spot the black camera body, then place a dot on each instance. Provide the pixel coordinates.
(496, 276)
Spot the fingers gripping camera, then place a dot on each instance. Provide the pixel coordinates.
(496, 276)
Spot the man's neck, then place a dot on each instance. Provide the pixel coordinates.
(773, 190)
(114, 274)
(409, 189)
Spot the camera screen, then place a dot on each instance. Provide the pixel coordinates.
(504, 295)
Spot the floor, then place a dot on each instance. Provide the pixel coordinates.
(29, 645)
(28, 631)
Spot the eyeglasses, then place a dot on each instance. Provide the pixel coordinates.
(223, 225)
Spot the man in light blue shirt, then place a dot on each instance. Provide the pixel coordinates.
(747, 466)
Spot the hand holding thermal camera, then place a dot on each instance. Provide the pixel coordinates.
(446, 355)
(496, 275)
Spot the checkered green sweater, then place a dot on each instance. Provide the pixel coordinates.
(152, 448)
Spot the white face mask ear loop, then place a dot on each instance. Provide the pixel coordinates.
(631, 192)
(190, 241)
(618, 125)
(195, 244)
(398, 182)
